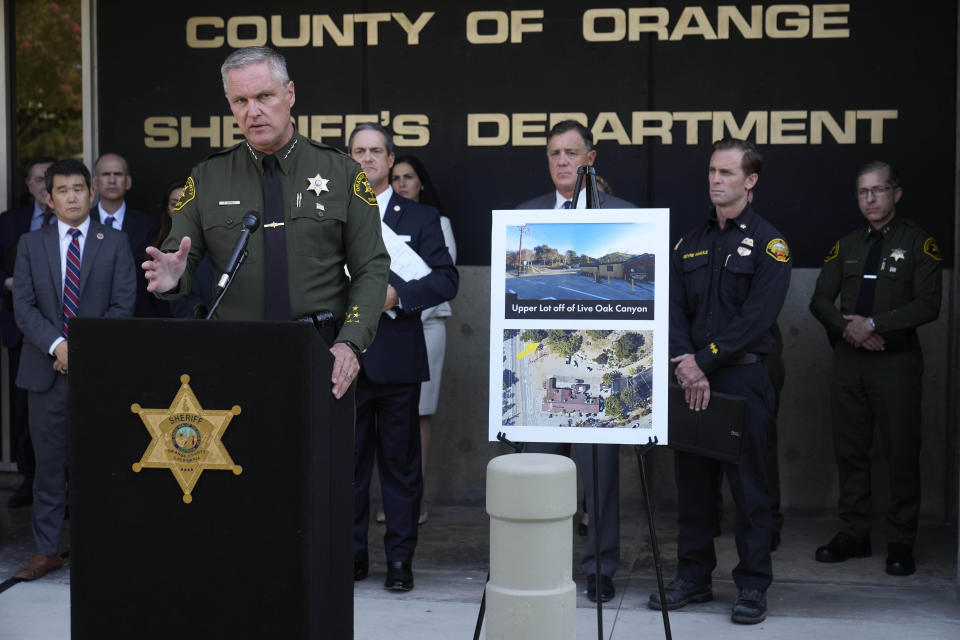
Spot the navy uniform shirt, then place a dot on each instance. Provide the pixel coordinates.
(726, 289)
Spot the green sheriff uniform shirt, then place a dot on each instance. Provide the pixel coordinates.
(908, 287)
(331, 219)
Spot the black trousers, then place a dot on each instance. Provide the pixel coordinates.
(698, 481)
(877, 388)
(388, 430)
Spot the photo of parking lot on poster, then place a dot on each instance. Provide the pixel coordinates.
(578, 325)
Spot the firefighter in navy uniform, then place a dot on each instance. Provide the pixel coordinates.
(729, 278)
(888, 276)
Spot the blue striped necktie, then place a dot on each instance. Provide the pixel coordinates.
(71, 281)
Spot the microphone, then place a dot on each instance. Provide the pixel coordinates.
(251, 222)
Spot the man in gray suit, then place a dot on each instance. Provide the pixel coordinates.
(569, 146)
(74, 268)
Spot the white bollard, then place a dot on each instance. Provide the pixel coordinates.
(531, 594)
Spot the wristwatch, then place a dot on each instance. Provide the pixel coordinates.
(353, 347)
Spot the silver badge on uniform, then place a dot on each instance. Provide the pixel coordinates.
(744, 251)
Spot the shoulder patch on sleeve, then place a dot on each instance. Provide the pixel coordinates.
(834, 252)
(189, 193)
(677, 246)
(931, 248)
(362, 189)
(778, 250)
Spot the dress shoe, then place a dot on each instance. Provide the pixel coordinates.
(361, 566)
(750, 607)
(38, 566)
(583, 529)
(900, 560)
(399, 576)
(606, 588)
(774, 541)
(22, 497)
(681, 592)
(842, 547)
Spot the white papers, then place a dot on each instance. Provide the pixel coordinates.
(404, 261)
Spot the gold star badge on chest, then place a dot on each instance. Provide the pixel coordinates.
(897, 255)
(186, 439)
(318, 184)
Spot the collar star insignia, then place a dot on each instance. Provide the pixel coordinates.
(318, 184)
(898, 254)
(186, 439)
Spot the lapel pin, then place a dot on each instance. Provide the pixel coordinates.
(99, 236)
(396, 207)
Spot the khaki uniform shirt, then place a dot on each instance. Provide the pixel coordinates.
(331, 219)
(908, 281)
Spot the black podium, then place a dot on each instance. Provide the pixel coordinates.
(260, 550)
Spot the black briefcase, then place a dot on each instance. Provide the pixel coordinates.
(715, 432)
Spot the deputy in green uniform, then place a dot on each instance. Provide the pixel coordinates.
(318, 215)
(888, 277)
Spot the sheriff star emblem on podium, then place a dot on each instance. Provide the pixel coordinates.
(317, 184)
(186, 439)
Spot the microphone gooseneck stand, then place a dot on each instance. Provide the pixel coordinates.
(251, 222)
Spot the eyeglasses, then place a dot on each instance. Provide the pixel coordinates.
(876, 192)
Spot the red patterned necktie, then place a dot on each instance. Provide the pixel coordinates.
(71, 281)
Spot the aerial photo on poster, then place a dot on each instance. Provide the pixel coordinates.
(597, 271)
(598, 378)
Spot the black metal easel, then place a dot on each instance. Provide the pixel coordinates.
(517, 448)
(641, 450)
(596, 516)
(593, 202)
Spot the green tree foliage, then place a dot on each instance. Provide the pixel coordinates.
(48, 80)
(627, 345)
(544, 254)
(564, 343)
(613, 407)
(598, 334)
(533, 335)
(609, 377)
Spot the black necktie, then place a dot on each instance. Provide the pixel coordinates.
(278, 286)
(868, 286)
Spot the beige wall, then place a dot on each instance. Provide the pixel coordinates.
(460, 449)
